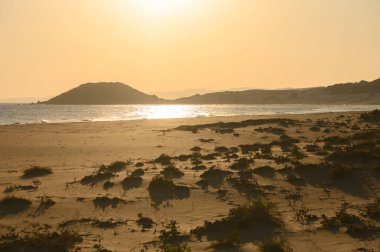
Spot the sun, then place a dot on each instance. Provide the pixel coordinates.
(163, 7)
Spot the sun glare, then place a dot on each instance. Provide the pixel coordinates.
(162, 7)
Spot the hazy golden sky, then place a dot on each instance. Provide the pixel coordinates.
(50, 46)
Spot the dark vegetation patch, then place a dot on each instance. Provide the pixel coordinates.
(139, 164)
(163, 159)
(207, 140)
(275, 131)
(170, 234)
(104, 202)
(265, 171)
(13, 205)
(161, 189)
(17, 187)
(372, 210)
(215, 176)
(235, 125)
(145, 222)
(246, 184)
(138, 172)
(221, 149)
(94, 222)
(171, 172)
(223, 130)
(241, 164)
(131, 182)
(39, 238)
(108, 185)
(256, 220)
(104, 172)
(196, 148)
(372, 117)
(355, 226)
(36, 171)
(275, 245)
(365, 153)
(231, 243)
(315, 129)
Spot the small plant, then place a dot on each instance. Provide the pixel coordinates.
(170, 233)
(36, 171)
(145, 222)
(45, 203)
(107, 185)
(304, 217)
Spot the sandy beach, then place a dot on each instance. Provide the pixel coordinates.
(297, 162)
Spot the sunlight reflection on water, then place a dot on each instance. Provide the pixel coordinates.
(26, 113)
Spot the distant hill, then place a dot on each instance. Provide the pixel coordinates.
(104, 93)
(347, 93)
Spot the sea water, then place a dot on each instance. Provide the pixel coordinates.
(42, 113)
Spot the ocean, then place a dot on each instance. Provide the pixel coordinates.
(41, 113)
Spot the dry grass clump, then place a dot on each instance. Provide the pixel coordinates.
(36, 171)
(172, 172)
(163, 159)
(116, 166)
(256, 218)
(13, 205)
(161, 189)
(221, 149)
(354, 225)
(104, 201)
(45, 203)
(215, 176)
(242, 164)
(131, 182)
(104, 173)
(39, 238)
(145, 222)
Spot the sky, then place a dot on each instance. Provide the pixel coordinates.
(50, 46)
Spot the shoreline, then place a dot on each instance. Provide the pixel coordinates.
(228, 117)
